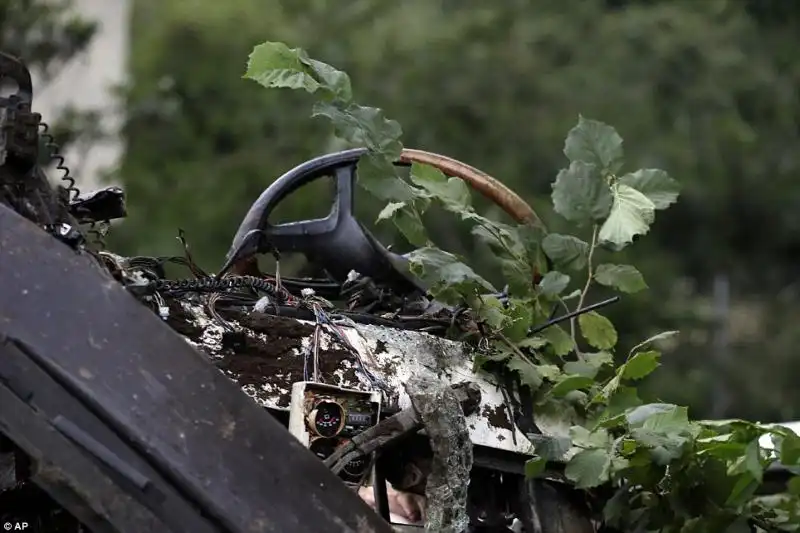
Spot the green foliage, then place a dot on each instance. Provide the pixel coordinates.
(624, 278)
(566, 251)
(596, 144)
(707, 90)
(275, 65)
(598, 331)
(669, 474)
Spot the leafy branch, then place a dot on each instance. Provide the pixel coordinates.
(589, 274)
(668, 473)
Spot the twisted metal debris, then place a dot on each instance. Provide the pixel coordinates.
(446, 490)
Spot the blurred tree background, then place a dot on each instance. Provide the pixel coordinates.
(49, 34)
(46, 34)
(708, 90)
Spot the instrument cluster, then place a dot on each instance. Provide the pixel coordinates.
(324, 417)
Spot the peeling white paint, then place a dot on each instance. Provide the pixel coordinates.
(394, 355)
(397, 354)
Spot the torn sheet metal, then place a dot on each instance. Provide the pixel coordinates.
(394, 355)
(446, 428)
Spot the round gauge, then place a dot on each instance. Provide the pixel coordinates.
(322, 447)
(327, 418)
(357, 467)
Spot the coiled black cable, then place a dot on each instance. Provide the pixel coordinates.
(54, 152)
(209, 284)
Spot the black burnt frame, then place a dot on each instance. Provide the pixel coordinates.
(130, 440)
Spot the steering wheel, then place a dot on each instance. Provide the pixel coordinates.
(339, 242)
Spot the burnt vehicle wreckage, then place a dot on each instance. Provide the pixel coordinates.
(131, 402)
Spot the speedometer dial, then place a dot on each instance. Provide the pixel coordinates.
(327, 418)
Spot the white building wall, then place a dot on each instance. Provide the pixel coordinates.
(86, 83)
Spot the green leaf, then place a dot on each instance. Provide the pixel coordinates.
(334, 80)
(532, 343)
(583, 438)
(363, 126)
(624, 278)
(640, 365)
(453, 193)
(377, 176)
(736, 426)
(566, 251)
(567, 384)
(529, 238)
(794, 486)
(670, 443)
(790, 449)
(581, 194)
(599, 358)
(656, 184)
(636, 417)
(622, 399)
(746, 485)
(589, 468)
(553, 283)
(749, 463)
(528, 372)
(275, 65)
(508, 245)
(480, 360)
(549, 372)
(574, 295)
(596, 143)
(609, 388)
(492, 312)
(433, 261)
(726, 451)
(450, 279)
(631, 214)
(580, 368)
(498, 236)
(390, 210)
(559, 340)
(597, 330)
(534, 466)
(409, 222)
(659, 418)
(550, 448)
(520, 314)
(589, 364)
(518, 275)
(664, 335)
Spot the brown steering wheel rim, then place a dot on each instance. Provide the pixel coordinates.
(491, 188)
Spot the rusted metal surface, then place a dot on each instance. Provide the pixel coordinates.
(175, 411)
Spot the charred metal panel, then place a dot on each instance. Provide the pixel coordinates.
(169, 406)
(392, 354)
